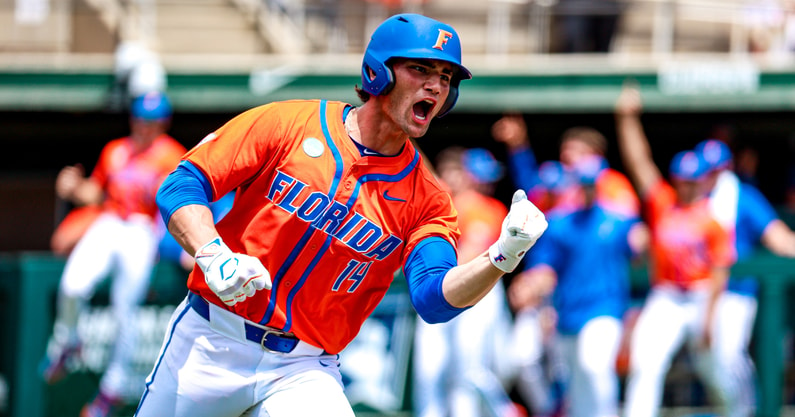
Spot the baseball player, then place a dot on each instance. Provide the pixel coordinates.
(585, 255)
(331, 200)
(450, 359)
(690, 259)
(540, 370)
(750, 219)
(121, 241)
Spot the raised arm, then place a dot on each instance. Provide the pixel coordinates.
(632, 142)
(511, 130)
(184, 202)
(467, 283)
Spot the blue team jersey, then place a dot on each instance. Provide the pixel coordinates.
(745, 212)
(589, 251)
(754, 214)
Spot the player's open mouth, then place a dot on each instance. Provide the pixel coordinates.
(423, 108)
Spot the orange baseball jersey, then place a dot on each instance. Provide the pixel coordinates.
(613, 192)
(131, 179)
(687, 242)
(480, 220)
(330, 225)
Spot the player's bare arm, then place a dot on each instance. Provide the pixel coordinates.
(639, 238)
(779, 239)
(192, 226)
(511, 130)
(719, 279)
(529, 288)
(466, 284)
(72, 185)
(633, 144)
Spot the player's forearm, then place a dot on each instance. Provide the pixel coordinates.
(720, 278)
(192, 226)
(779, 239)
(468, 283)
(635, 151)
(86, 193)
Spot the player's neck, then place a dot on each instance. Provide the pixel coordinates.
(371, 129)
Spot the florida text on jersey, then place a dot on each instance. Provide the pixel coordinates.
(331, 226)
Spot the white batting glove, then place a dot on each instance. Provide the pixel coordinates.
(522, 227)
(231, 276)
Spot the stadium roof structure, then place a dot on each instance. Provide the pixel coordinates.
(530, 84)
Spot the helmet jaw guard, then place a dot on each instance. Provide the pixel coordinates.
(411, 35)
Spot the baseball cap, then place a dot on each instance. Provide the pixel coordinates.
(553, 175)
(587, 170)
(688, 166)
(482, 165)
(715, 152)
(153, 105)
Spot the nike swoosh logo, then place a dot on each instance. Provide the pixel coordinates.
(367, 151)
(390, 198)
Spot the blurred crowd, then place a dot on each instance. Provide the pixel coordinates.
(582, 344)
(565, 335)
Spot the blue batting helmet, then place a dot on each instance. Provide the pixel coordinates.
(688, 165)
(482, 165)
(410, 35)
(715, 152)
(553, 176)
(151, 106)
(588, 170)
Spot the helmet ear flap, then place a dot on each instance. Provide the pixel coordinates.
(452, 98)
(381, 80)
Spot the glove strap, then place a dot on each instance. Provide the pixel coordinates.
(500, 260)
(207, 253)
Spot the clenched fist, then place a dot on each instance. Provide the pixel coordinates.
(231, 276)
(521, 229)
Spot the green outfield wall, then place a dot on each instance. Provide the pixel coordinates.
(28, 283)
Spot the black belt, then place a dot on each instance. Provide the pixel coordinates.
(270, 339)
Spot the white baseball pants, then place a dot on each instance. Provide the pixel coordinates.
(590, 355)
(670, 318)
(209, 369)
(125, 250)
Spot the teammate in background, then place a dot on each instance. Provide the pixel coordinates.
(332, 200)
(538, 366)
(121, 242)
(613, 189)
(453, 360)
(690, 260)
(585, 257)
(751, 220)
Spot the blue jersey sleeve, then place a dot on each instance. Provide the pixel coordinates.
(754, 214)
(545, 251)
(222, 206)
(425, 269)
(524, 168)
(184, 186)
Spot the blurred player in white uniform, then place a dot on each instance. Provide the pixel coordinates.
(455, 363)
(691, 254)
(583, 262)
(751, 221)
(121, 242)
